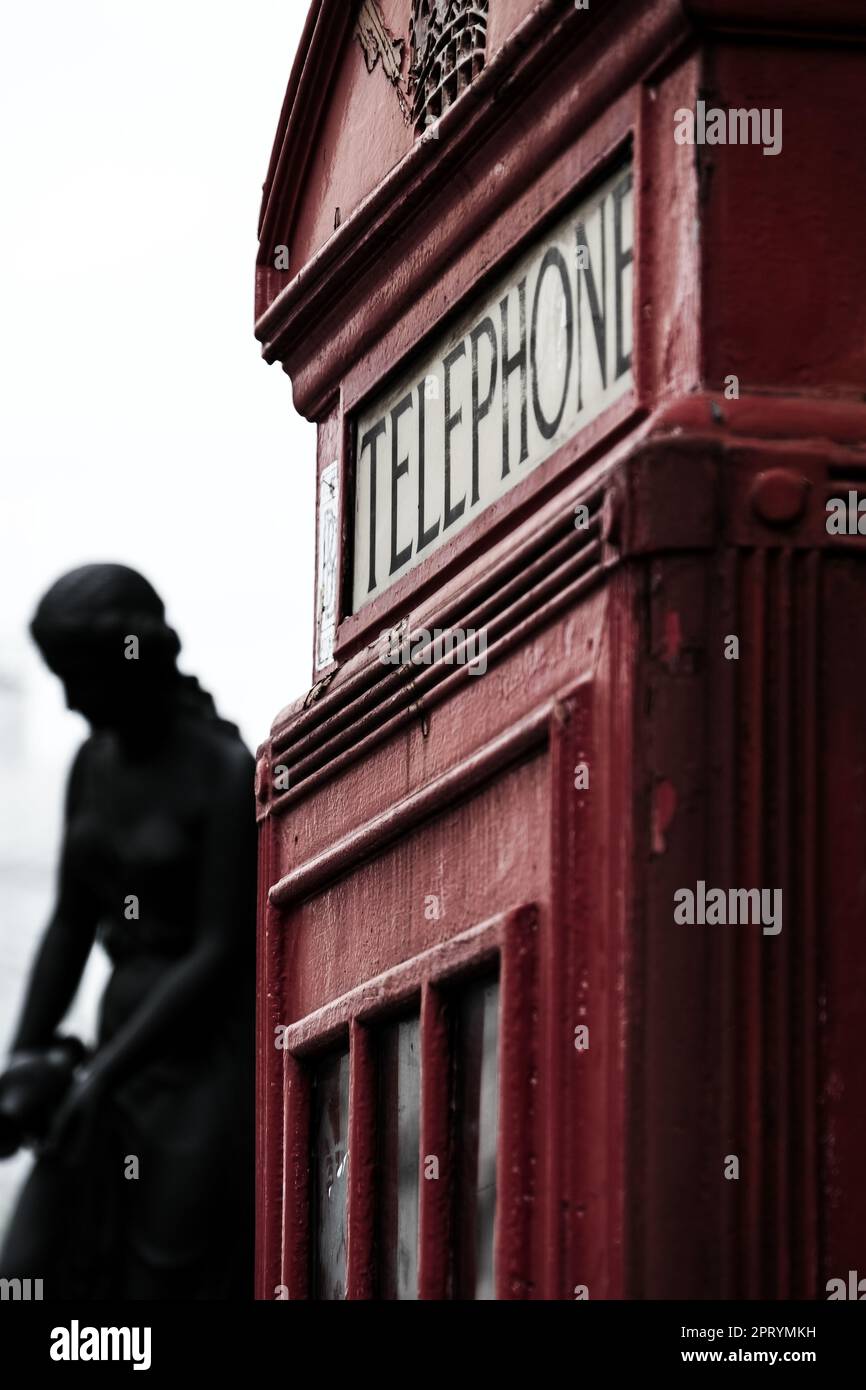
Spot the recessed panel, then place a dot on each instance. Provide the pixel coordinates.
(330, 1177)
(537, 357)
(399, 1135)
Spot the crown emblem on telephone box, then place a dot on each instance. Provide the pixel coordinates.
(449, 41)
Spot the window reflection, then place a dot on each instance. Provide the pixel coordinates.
(330, 1176)
(476, 1115)
(399, 1141)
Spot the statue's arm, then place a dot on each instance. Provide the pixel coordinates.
(66, 942)
(226, 897)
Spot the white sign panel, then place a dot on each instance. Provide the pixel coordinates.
(535, 360)
(326, 612)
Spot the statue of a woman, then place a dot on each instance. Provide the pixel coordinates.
(143, 1185)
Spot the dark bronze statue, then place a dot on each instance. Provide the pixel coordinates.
(142, 1188)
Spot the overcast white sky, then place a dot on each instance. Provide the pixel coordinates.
(137, 420)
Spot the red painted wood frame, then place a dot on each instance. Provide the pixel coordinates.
(728, 1048)
(495, 185)
(560, 1215)
(609, 145)
(508, 942)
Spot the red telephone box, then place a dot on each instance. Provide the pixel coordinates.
(575, 296)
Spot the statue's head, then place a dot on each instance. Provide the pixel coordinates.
(102, 630)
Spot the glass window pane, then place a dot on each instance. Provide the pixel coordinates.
(399, 1141)
(476, 1121)
(330, 1176)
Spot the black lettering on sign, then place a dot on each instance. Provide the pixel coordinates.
(485, 328)
(598, 310)
(398, 468)
(425, 536)
(543, 350)
(553, 258)
(451, 423)
(621, 260)
(371, 438)
(509, 366)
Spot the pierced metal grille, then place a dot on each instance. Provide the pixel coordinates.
(449, 40)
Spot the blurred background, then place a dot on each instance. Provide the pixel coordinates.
(137, 421)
